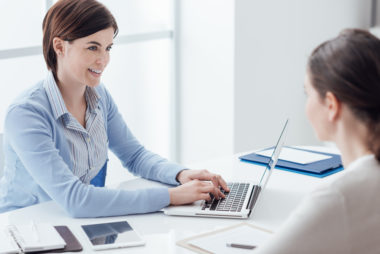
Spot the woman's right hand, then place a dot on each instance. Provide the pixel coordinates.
(192, 191)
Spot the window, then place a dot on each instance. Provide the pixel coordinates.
(139, 75)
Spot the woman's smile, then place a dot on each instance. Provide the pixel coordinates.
(95, 72)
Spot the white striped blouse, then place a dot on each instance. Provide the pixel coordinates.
(88, 145)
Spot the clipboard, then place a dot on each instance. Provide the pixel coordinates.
(319, 169)
(187, 242)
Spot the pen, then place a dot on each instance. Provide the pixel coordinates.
(35, 232)
(241, 246)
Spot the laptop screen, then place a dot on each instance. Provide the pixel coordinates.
(273, 159)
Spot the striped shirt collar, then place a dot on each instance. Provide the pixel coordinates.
(56, 101)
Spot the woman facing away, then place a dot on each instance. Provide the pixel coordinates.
(343, 105)
(69, 121)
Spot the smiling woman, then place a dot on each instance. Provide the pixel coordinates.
(84, 59)
(69, 21)
(70, 120)
(81, 63)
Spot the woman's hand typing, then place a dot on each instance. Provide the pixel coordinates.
(197, 185)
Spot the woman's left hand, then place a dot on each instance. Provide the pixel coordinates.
(204, 175)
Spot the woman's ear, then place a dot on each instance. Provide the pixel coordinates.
(334, 106)
(59, 46)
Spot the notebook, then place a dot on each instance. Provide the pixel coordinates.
(30, 238)
(72, 243)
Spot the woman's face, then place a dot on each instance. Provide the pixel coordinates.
(316, 111)
(84, 60)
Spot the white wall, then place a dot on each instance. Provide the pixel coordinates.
(273, 40)
(242, 67)
(206, 78)
(377, 14)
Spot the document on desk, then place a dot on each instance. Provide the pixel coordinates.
(217, 241)
(30, 238)
(8, 245)
(296, 155)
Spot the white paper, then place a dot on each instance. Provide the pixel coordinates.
(7, 244)
(217, 243)
(295, 155)
(40, 237)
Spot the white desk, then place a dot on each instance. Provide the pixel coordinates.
(282, 194)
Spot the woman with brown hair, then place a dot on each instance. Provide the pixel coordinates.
(60, 151)
(343, 90)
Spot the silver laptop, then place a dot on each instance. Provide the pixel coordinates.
(239, 202)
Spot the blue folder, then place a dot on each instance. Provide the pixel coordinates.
(320, 168)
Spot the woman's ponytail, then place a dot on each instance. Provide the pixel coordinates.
(374, 139)
(349, 67)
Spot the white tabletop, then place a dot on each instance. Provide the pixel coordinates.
(283, 193)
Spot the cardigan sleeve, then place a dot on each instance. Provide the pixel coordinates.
(132, 154)
(31, 135)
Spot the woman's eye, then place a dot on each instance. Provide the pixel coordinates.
(109, 48)
(92, 48)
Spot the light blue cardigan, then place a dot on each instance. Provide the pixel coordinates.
(38, 166)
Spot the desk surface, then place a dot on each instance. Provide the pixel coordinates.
(283, 193)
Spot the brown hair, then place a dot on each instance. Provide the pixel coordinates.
(349, 67)
(70, 20)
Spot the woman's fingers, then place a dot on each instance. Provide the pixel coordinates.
(217, 180)
(223, 183)
(208, 187)
(193, 191)
(205, 196)
(204, 175)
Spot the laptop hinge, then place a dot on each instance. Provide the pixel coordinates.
(253, 198)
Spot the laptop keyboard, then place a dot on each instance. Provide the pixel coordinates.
(233, 202)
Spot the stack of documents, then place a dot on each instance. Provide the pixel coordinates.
(301, 161)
